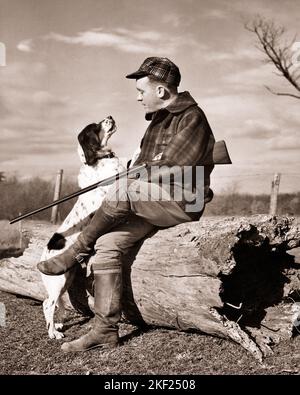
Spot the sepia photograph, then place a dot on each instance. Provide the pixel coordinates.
(150, 190)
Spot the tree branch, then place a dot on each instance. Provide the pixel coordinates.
(281, 94)
(279, 54)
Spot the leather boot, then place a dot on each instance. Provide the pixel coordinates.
(83, 247)
(107, 308)
(61, 263)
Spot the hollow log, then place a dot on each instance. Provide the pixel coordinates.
(228, 277)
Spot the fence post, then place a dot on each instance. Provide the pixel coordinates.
(21, 234)
(274, 193)
(57, 191)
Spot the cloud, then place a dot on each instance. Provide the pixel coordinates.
(255, 79)
(121, 39)
(25, 45)
(258, 129)
(178, 20)
(32, 119)
(46, 98)
(126, 40)
(214, 13)
(22, 165)
(285, 143)
(172, 19)
(259, 74)
(21, 75)
(259, 125)
(39, 126)
(271, 9)
(30, 107)
(142, 35)
(4, 110)
(232, 107)
(237, 54)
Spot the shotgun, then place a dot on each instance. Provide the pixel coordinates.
(219, 155)
(104, 182)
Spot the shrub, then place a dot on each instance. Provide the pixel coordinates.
(22, 196)
(244, 204)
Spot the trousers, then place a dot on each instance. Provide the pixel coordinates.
(143, 214)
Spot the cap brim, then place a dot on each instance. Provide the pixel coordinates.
(137, 74)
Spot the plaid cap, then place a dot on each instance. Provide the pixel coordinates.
(161, 68)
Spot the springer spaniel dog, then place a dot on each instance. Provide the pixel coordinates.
(98, 162)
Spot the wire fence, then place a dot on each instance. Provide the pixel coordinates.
(21, 196)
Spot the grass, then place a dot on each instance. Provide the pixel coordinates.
(26, 350)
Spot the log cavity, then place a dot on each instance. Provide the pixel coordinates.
(256, 281)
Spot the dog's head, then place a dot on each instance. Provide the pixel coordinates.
(94, 136)
(108, 124)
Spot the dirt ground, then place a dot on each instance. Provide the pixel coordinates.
(27, 350)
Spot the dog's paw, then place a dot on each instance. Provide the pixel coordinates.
(56, 335)
(57, 242)
(59, 326)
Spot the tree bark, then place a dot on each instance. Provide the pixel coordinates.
(228, 277)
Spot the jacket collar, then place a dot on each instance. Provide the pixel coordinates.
(183, 101)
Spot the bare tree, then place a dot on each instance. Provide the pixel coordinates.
(274, 45)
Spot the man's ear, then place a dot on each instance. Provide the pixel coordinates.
(160, 91)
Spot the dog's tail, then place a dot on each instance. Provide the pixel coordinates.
(57, 242)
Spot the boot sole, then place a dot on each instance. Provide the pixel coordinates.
(105, 346)
(48, 273)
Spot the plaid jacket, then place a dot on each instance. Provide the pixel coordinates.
(179, 135)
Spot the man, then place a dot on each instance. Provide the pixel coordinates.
(178, 135)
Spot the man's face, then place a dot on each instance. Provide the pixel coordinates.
(147, 95)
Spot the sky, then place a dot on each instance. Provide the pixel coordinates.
(66, 62)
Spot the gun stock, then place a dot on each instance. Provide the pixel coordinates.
(220, 154)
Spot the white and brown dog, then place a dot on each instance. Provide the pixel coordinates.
(98, 162)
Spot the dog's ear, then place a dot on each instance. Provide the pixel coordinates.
(89, 141)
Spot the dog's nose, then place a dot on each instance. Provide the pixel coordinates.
(109, 117)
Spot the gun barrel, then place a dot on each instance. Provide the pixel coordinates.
(104, 182)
